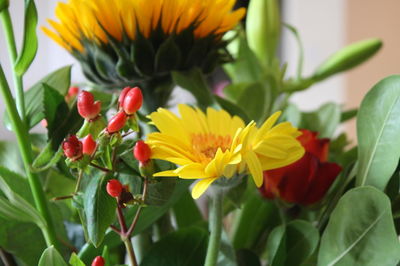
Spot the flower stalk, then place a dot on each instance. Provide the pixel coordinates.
(215, 225)
(12, 51)
(26, 152)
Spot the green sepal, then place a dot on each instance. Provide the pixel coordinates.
(133, 123)
(168, 56)
(147, 170)
(79, 164)
(94, 128)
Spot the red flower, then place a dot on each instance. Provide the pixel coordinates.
(87, 107)
(306, 181)
(142, 151)
(72, 148)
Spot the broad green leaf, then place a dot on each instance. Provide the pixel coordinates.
(188, 249)
(10, 157)
(75, 260)
(347, 58)
(186, 211)
(292, 244)
(47, 158)
(51, 257)
(99, 209)
(360, 231)
(292, 114)
(30, 42)
(347, 115)
(325, 120)
(147, 217)
(232, 109)
(4, 4)
(59, 79)
(378, 129)
(194, 82)
(255, 101)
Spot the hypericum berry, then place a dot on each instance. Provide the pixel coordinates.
(89, 145)
(72, 148)
(142, 151)
(122, 96)
(131, 100)
(117, 122)
(98, 261)
(72, 92)
(87, 107)
(114, 188)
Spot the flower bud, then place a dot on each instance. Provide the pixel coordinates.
(114, 188)
(132, 100)
(117, 122)
(87, 107)
(72, 148)
(142, 151)
(89, 145)
(98, 261)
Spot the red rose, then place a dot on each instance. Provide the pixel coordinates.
(306, 181)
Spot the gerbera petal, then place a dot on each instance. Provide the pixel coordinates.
(201, 186)
(192, 171)
(255, 167)
(166, 173)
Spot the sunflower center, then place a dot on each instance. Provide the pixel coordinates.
(208, 144)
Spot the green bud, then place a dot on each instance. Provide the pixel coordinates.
(263, 29)
(4, 4)
(92, 127)
(347, 58)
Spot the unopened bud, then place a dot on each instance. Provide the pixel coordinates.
(98, 261)
(142, 151)
(131, 100)
(89, 145)
(72, 148)
(117, 122)
(122, 96)
(72, 92)
(87, 107)
(114, 188)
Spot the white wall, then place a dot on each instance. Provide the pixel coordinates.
(321, 25)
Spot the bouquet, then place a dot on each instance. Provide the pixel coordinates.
(238, 176)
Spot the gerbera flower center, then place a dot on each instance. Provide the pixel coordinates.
(206, 145)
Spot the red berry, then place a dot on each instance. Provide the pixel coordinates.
(142, 151)
(89, 145)
(132, 101)
(98, 261)
(72, 148)
(114, 188)
(117, 122)
(72, 92)
(87, 107)
(122, 96)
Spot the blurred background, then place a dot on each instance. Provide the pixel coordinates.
(324, 26)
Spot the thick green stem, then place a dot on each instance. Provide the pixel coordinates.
(26, 153)
(215, 225)
(12, 51)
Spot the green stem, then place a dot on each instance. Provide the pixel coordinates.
(12, 51)
(215, 225)
(26, 153)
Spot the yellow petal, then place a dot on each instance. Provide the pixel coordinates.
(166, 173)
(254, 167)
(201, 186)
(192, 171)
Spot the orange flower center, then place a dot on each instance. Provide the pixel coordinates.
(206, 145)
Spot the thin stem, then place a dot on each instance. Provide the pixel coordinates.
(12, 51)
(78, 183)
(125, 237)
(131, 253)
(62, 198)
(26, 153)
(7, 258)
(100, 168)
(215, 224)
(135, 220)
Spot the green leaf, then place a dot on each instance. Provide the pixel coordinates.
(4, 4)
(59, 79)
(194, 82)
(186, 211)
(325, 120)
(360, 231)
(188, 248)
(232, 109)
(75, 260)
(292, 114)
(99, 209)
(51, 257)
(378, 128)
(10, 157)
(292, 244)
(47, 158)
(255, 100)
(347, 58)
(347, 115)
(30, 42)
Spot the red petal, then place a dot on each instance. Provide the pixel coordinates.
(317, 147)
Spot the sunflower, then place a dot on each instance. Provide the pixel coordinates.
(125, 42)
(213, 145)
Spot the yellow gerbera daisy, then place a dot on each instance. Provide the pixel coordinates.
(125, 41)
(214, 145)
